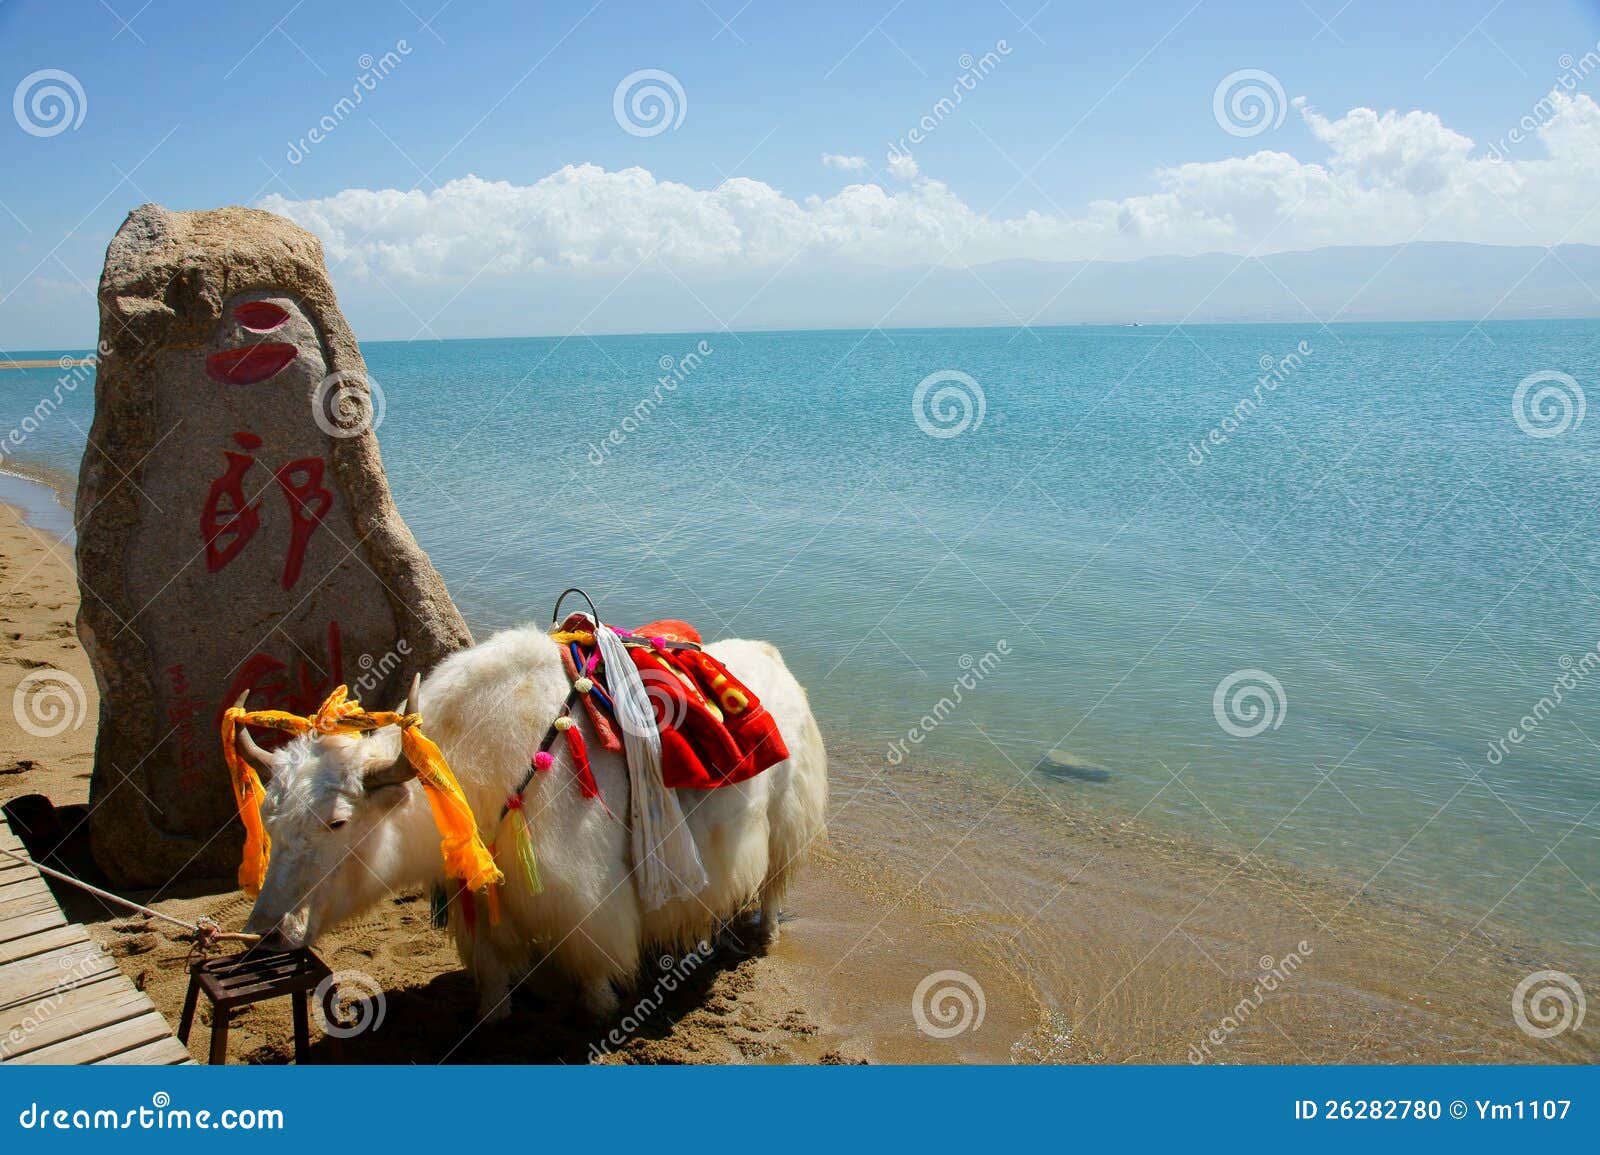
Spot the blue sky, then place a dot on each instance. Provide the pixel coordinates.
(197, 105)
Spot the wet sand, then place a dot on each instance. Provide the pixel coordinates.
(1051, 932)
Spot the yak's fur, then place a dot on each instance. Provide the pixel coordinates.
(338, 848)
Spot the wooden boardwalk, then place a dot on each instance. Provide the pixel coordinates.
(62, 998)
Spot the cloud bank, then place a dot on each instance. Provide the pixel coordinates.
(1385, 178)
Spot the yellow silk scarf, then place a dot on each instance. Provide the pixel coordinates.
(465, 856)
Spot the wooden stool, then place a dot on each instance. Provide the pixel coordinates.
(241, 979)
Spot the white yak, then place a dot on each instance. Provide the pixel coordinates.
(349, 824)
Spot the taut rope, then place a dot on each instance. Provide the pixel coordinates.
(205, 930)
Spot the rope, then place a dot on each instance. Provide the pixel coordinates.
(205, 929)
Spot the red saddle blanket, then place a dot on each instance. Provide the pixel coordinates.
(714, 730)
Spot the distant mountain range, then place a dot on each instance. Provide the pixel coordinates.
(1417, 282)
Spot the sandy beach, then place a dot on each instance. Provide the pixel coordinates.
(1077, 938)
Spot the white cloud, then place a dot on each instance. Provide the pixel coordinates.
(845, 163)
(1385, 178)
(902, 166)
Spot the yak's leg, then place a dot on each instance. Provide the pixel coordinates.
(493, 977)
(767, 931)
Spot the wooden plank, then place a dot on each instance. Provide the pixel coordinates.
(20, 879)
(23, 892)
(102, 1043)
(34, 979)
(165, 1051)
(68, 1002)
(23, 925)
(62, 998)
(26, 888)
(45, 940)
(26, 904)
(69, 1015)
(6, 833)
(102, 985)
(63, 956)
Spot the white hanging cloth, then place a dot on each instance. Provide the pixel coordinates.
(666, 861)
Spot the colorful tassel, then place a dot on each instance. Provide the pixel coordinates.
(515, 828)
(530, 864)
(580, 764)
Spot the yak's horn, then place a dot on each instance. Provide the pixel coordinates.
(401, 769)
(414, 695)
(396, 772)
(252, 753)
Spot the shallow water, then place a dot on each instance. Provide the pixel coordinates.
(1379, 536)
(40, 504)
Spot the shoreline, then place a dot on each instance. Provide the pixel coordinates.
(1089, 938)
(47, 363)
(36, 494)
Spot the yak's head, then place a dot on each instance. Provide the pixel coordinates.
(340, 813)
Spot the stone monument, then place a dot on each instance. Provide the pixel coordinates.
(235, 529)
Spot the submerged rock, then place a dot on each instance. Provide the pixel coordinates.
(1065, 764)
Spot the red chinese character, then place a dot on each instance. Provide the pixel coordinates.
(273, 685)
(228, 521)
(309, 503)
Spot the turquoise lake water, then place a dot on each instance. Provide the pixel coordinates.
(1379, 537)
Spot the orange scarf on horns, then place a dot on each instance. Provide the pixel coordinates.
(465, 856)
